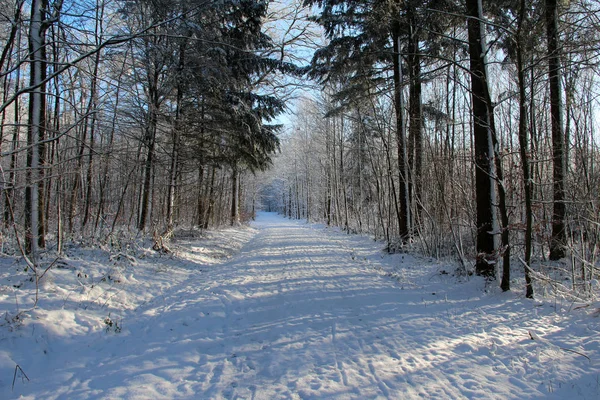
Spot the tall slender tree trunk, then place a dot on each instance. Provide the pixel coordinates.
(211, 201)
(91, 150)
(74, 197)
(524, 150)
(99, 33)
(175, 138)
(342, 175)
(154, 73)
(210, 192)
(59, 218)
(55, 123)
(289, 201)
(240, 194)
(392, 192)
(121, 201)
(335, 188)
(9, 192)
(505, 235)
(13, 37)
(415, 116)
(329, 177)
(200, 200)
(173, 173)
(150, 140)
(90, 171)
(308, 197)
(378, 191)
(404, 195)
(36, 123)
(486, 222)
(107, 156)
(297, 195)
(558, 240)
(235, 217)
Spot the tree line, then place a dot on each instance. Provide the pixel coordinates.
(135, 115)
(457, 127)
(460, 128)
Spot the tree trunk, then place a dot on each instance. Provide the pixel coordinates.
(342, 175)
(200, 199)
(148, 166)
(105, 174)
(92, 126)
(36, 124)
(404, 197)
(235, 217)
(175, 149)
(482, 125)
(415, 116)
(211, 201)
(524, 151)
(173, 178)
(90, 171)
(55, 123)
(9, 192)
(505, 236)
(79, 166)
(558, 240)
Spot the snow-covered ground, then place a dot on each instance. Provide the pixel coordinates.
(284, 310)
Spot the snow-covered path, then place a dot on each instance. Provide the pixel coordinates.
(303, 313)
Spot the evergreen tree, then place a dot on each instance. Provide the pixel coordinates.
(376, 41)
(201, 60)
(222, 67)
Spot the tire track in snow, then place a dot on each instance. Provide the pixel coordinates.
(329, 285)
(381, 347)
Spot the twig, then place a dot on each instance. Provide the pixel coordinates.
(23, 374)
(38, 279)
(534, 336)
(48, 268)
(556, 285)
(576, 352)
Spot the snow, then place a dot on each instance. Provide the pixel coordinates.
(284, 310)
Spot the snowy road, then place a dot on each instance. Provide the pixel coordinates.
(303, 313)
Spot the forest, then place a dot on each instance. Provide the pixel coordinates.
(455, 129)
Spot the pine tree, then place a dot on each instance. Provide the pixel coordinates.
(376, 41)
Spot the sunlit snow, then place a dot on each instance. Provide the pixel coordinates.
(284, 310)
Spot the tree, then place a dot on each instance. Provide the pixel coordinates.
(41, 18)
(362, 49)
(483, 125)
(519, 45)
(559, 150)
(524, 143)
(359, 42)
